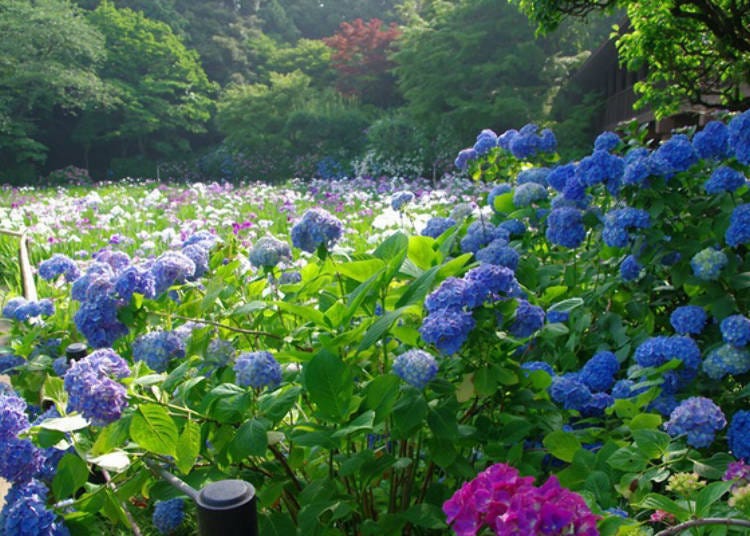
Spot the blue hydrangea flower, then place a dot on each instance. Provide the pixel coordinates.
(601, 167)
(554, 317)
(630, 269)
(560, 175)
(674, 155)
(158, 349)
(619, 222)
(290, 277)
(437, 225)
(655, 351)
(565, 227)
(713, 141)
(570, 392)
(168, 515)
(316, 228)
(479, 234)
(724, 179)
(637, 170)
(697, 417)
(547, 141)
(28, 515)
(170, 268)
(526, 194)
(503, 140)
(461, 211)
(20, 460)
(8, 362)
(451, 295)
(738, 231)
(257, 370)
(738, 435)
(117, 260)
(499, 253)
(539, 365)
(464, 157)
(735, 330)
(486, 140)
(59, 265)
(218, 352)
(9, 310)
(607, 141)
(416, 367)
(400, 199)
(486, 281)
(726, 359)
(269, 251)
(92, 389)
(688, 319)
(627, 389)
(199, 256)
(708, 263)
(663, 404)
(13, 419)
(529, 318)
(596, 405)
(739, 137)
(575, 189)
(671, 258)
(447, 329)
(134, 279)
(598, 373)
(205, 239)
(537, 175)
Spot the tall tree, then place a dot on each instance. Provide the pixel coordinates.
(162, 92)
(695, 50)
(48, 59)
(361, 59)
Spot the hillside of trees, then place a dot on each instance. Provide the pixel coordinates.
(269, 89)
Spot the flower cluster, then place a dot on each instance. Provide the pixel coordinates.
(708, 263)
(21, 309)
(158, 349)
(481, 233)
(168, 515)
(724, 179)
(171, 268)
(738, 231)
(269, 251)
(59, 265)
(416, 367)
(400, 199)
(688, 319)
(26, 513)
(437, 225)
(92, 389)
(500, 499)
(565, 227)
(316, 228)
(738, 436)
(619, 222)
(257, 370)
(630, 268)
(698, 418)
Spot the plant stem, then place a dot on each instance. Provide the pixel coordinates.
(280, 458)
(702, 522)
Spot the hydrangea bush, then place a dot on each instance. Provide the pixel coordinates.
(586, 326)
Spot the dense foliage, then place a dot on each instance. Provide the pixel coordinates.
(566, 353)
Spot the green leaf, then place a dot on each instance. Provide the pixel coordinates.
(188, 447)
(709, 495)
(645, 421)
(393, 247)
(566, 305)
(361, 423)
(628, 459)
(360, 271)
(328, 381)
(408, 414)
(421, 251)
(652, 443)
(304, 312)
(443, 421)
(116, 461)
(276, 524)
(274, 406)
(418, 289)
(381, 394)
(251, 440)
(652, 501)
(428, 516)
(503, 203)
(71, 473)
(562, 445)
(65, 424)
(112, 436)
(378, 328)
(154, 430)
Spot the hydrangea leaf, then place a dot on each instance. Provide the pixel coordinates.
(154, 430)
(188, 447)
(72, 473)
(562, 445)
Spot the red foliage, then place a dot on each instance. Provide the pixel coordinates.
(361, 57)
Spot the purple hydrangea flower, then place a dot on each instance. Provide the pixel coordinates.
(269, 251)
(290, 277)
(724, 179)
(28, 515)
(199, 256)
(168, 515)
(316, 228)
(13, 417)
(739, 137)
(738, 437)
(436, 226)
(697, 417)
(400, 199)
(447, 329)
(92, 389)
(598, 373)
(688, 319)
(708, 263)
(205, 239)
(59, 265)
(738, 231)
(565, 227)
(170, 268)
(713, 141)
(134, 279)
(735, 330)
(158, 349)
(529, 319)
(416, 367)
(257, 370)
(117, 260)
(726, 359)
(619, 222)
(630, 269)
(96, 319)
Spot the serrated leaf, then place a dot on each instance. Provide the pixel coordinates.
(328, 381)
(653, 501)
(562, 445)
(114, 461)
(112, 436)
(360, 271)
(381, 325)
(71, 473)
(65, 424)
(361, 423)
(188, 447)
(251, 439)
(154, 430)
(709, 495)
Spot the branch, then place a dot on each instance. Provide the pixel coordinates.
(704, 521)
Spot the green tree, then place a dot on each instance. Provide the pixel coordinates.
(475, 64)
(161, 92)
(48, 59)
(693, 50)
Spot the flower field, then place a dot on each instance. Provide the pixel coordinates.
(528, 347)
